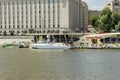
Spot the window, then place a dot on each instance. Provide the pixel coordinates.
(22, 26)
(18, 26)
(44, 26)
(9, 27)
(13, 26)
(64, 3)
(83, 39)
(49, 25)
(26, 26)
(58, 26)
(35, 26)
(40, 26)
(53, 26)
(116, 4)
(31, 26)
(39, 12)
(5, 22)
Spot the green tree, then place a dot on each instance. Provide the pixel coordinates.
(106, 20)
(117, 27)
(115, 19)
(93, 20)
(106, 11)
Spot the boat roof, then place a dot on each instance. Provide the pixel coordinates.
(104, 35)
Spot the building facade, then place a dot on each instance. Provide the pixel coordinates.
(84, 17)
(36, 16)
(94, 13)
(114, 6)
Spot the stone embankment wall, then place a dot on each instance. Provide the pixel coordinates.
(13, 39)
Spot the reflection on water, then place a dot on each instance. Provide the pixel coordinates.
(27, 64)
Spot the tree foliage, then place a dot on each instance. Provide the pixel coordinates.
(106, 11)
(115, 19)
(117, 27)
(106, 20)
(93, 20)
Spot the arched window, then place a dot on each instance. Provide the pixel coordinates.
(116, 4)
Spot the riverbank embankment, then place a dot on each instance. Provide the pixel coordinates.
(11, 39)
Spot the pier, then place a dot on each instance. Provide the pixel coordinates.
(75, 34)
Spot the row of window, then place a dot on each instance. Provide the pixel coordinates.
(17, 27)
(10, 12)
(20, 17)
(28, 2)
(27, 18)
(23, 20)
(27, 7)
(27, 11)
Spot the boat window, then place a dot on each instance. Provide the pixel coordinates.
(83, 39)
(87, 39)
(118, 40)
(94, 41)
(105, 40)
(110, 40)
(81, 44)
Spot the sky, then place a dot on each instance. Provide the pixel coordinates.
(96, 4)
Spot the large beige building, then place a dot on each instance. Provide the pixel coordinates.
(84, 17)
(39, 15)
(114, 6)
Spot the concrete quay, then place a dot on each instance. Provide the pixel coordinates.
(54, 37)
(13, 39)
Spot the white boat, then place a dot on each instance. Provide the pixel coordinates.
(45, 45)
(49, 45)
(99, 41)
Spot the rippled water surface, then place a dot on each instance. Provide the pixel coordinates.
(83, 64)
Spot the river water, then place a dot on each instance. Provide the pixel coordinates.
(83, 64)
